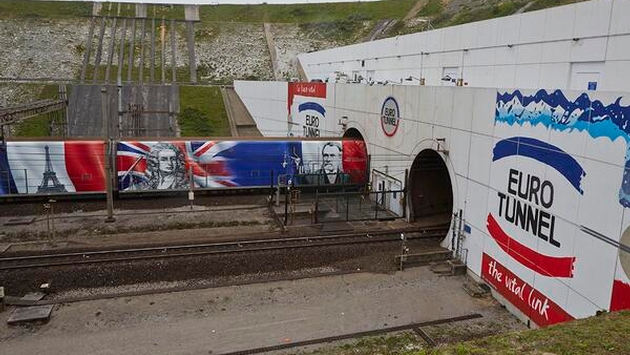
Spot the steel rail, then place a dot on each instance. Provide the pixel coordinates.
(355, 335)
(227, 248)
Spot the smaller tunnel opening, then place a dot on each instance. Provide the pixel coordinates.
(353, 133)
(431, 191)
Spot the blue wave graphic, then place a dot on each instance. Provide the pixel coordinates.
(554, 111)
(544, 153)
(312, 106)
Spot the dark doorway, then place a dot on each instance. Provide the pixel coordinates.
(353, 133)
(431, 192)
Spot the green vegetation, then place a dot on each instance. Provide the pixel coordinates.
(599, 335)
(432, 8)
(544, 4)
(44, 9)
(202, 112)
(40, 125)
(307, 13)
(500, 9)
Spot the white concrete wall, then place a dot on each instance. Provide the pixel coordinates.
(589, 218)
(541, 49)
(267, 103)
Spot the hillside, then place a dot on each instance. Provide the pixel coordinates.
(47, 40)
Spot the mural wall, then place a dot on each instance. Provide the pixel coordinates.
(79, 166)
(557, 208)
(219, 164)
(52, 167)
(542, 178)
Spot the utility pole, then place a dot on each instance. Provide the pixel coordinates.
(108, 154)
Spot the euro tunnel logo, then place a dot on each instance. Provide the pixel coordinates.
(526, 202)
(390, 116)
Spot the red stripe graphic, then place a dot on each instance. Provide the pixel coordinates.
(85, 164)
(620, 298)
(534, 304)
(204, 149)
(531, 259)
(354, 160)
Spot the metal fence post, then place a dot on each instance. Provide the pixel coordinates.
(316, 206)
(347, 207)
(286, 204)
(108, 152)
(271, 188)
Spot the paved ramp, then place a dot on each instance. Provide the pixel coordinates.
(241, 122)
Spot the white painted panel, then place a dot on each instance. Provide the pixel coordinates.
(434, 40)
(452, 38)
(481, 156)
(591, 282)
(583, 74)
(432, 60)
(505, 75)
(559, 23)
(487, 33)
(458, 146)
(619, 17)
(508, 30)
(470, 35)
(463, 109)
(532, 26)
(527, 75)
(599, 207)
(556, 52)
(529, 53)
(426, 104)
(452, 59)
(554, 75)
(481, 76)
(505, 55)
(484, 104)
(616, 76)
(588, 50)
(619, 47)
(592, 18)
(443, 106)
(479, 57)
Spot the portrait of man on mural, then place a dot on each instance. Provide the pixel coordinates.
(331, 170)
(166, 169)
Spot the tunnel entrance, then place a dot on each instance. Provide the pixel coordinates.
(431, 191)
(353, 133)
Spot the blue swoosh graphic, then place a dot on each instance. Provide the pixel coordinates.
(543, 152)
(312, 106)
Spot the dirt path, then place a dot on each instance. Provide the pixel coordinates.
(220, 320)
(414, 10)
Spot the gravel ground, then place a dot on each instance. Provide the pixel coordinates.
(224, 319)
(210, 270)
(82, 223)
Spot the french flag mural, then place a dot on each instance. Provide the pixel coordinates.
(52, 167)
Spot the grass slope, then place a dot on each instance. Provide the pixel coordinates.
(202, 112)
(600, 335)
(38, 126)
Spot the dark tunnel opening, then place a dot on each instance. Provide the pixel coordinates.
(431, 191)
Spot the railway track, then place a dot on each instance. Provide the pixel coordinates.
(75, 258)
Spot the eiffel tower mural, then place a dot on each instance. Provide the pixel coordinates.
(50, 177)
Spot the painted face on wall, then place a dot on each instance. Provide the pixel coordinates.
(167, 161)
(331, 156)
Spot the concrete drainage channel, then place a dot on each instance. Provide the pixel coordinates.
(416, 327)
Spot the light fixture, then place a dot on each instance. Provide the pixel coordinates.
(440, 145)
